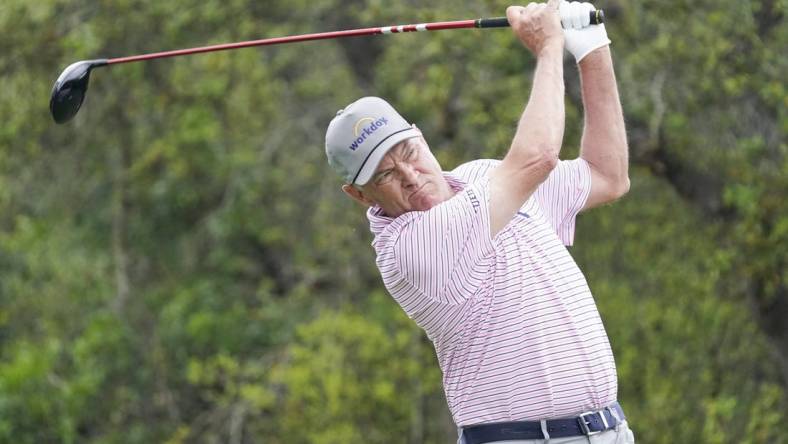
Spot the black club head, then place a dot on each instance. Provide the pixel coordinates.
(70, 89)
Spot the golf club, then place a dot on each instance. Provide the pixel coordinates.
(70, 88)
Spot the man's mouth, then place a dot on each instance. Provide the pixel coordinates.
(418, 192)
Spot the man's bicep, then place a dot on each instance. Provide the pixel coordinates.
(563, 195)
(511, 187)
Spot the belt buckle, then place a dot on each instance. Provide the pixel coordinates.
(584, 424)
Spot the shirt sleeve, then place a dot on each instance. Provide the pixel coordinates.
(563, 195)
(440, 256)
(475, 170)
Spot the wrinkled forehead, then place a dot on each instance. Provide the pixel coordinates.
(398, 150)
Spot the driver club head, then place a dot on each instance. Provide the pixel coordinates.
(70, 89)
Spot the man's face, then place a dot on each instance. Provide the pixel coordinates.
(408, 178)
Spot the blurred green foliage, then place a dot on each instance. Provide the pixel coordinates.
(179, 265)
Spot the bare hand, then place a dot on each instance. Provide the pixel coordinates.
(538, 25)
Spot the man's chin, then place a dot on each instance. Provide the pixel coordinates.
(425, 203)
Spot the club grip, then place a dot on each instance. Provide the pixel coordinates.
(597, 17)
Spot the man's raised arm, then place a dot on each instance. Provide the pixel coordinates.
(604, 142)
(537, 142)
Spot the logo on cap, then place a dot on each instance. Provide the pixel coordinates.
(361, 132)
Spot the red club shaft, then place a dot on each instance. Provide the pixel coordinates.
(302, 38)
(596, 17)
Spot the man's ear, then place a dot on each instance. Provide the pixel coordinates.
(357, 195)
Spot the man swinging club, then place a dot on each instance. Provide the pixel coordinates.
(477, 256)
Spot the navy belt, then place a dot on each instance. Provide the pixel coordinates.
(586, 424)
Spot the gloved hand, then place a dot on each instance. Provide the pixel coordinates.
(579, 36)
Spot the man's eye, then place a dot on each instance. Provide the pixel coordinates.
(382, 176)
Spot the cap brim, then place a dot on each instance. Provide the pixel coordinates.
(377, 154)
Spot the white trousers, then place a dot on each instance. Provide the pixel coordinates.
(620, 435)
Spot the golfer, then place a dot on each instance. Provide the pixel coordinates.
(477, 256)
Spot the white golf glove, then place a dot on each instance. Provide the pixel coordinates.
(580, 36)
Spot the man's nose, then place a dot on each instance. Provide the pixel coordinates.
(408, 175)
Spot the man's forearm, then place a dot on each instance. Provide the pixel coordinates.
(541, 127)
(535, 147)
(604, 143)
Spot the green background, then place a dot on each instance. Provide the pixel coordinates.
(178, 263)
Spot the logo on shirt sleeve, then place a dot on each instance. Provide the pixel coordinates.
(474, 200)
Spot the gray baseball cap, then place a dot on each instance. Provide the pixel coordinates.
(361, 134)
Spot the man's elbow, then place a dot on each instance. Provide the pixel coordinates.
(549, 159)
(543, 163)
(535, 164)
(619, 188)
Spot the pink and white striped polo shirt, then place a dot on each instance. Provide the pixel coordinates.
(515, 328)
